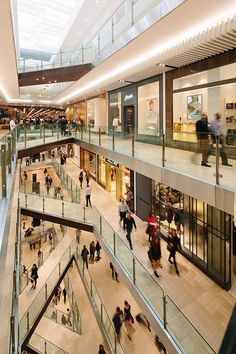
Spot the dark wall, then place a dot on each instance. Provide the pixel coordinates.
(143, 196)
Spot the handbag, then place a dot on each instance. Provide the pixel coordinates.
(148, 229)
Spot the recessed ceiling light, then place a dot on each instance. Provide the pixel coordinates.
(43, 78)
(77, 32)
(37, 79)
(85, 19)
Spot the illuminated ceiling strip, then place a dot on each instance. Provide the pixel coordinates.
(190, 33)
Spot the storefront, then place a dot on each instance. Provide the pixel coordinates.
(115, 178)
(205, 231)
(96, 112)
(195, 89)
(88, 161)
(137, 107)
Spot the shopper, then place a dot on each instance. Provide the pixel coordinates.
(217, 132)
(91, 251)
(101, 349)
(202, 136)
(123, 208)
(88, 196)
(117, 320)
(154, 254)
(40, 256)
(81, 178)
(114, 273)
(98, 251)
(151, 220)
(129, 223)
(68, 320)
(173, 246)
(64, 293)
(84, 255)
(34, 275)
(129, 197)
(87, 178)
(128, 319)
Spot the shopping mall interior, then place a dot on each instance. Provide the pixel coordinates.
(117, 172)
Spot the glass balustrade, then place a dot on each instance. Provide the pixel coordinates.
(148, 287)
(43, 346)
(41, 298)
(60, 317)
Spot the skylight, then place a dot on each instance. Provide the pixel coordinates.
(43, 24)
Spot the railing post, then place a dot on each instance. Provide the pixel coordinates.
(9, 154)
(83, 267)
(3, 168)
(164, 311)
(27, 320)
(45, 347)
(91, 287)
(132, 13)
(84, 214)
(100, 224)
(218, 160)
(62, 204)
(57, 131)
(112, 30)
(113, 138)
(13, 334)
(43, 204)
(26, 200)
(44, 134)
(70, 252)
(114, 243)
(132, 142)
(163, 150)
(46, 291)
(82, 54)
(59, 269)
(25, 136)
(76, 132)
(89, 133)
(101, 313)
(134, 275)
(99, 136)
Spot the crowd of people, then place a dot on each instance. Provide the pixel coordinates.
(89, 255)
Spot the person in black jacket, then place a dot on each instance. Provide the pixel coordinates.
(173, 246)
(129, 223)
(84, 255)
(118, 320)
(202, 136)
(34, 275)
(154, 254)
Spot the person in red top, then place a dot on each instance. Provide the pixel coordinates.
(151, 220)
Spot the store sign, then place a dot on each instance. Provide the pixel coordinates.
(112, 162)
(128, 97)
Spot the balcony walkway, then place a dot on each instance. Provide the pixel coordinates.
(204, 303)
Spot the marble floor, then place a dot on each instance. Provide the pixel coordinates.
(205, 304)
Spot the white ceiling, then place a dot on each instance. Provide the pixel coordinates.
(172, 40)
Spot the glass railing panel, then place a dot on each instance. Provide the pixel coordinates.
(124, 254)
(184, 334)
(107, 233)
(106, 37)
(44, 346)
(141, 8)
(123, 18)
(149, 288)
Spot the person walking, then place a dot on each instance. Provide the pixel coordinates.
(98, 251)
(101, 349)
(84, 255)
(91, 251)
(154, 254)
(129, 223)
(68, 319)
(173, 246)
(87, 178)
(88, 196)
(64, 293)
(151, 220)
(217, 132)
(123, 208)
(40, 255)
(34, 275)
(114, 273)
(202, 136)
(81, 178)
(117, 319)
(128, 319)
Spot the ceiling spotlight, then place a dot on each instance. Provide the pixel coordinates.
(37, 79)
(86, 19)
(49, 82)
(55, 80)
(77, 32)
(97, 1)
(121, 80)
(43, 78)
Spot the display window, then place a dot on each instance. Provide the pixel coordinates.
(115, 110)
(90, 162)
(148, 109)
(197, 93)
(90, 113)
